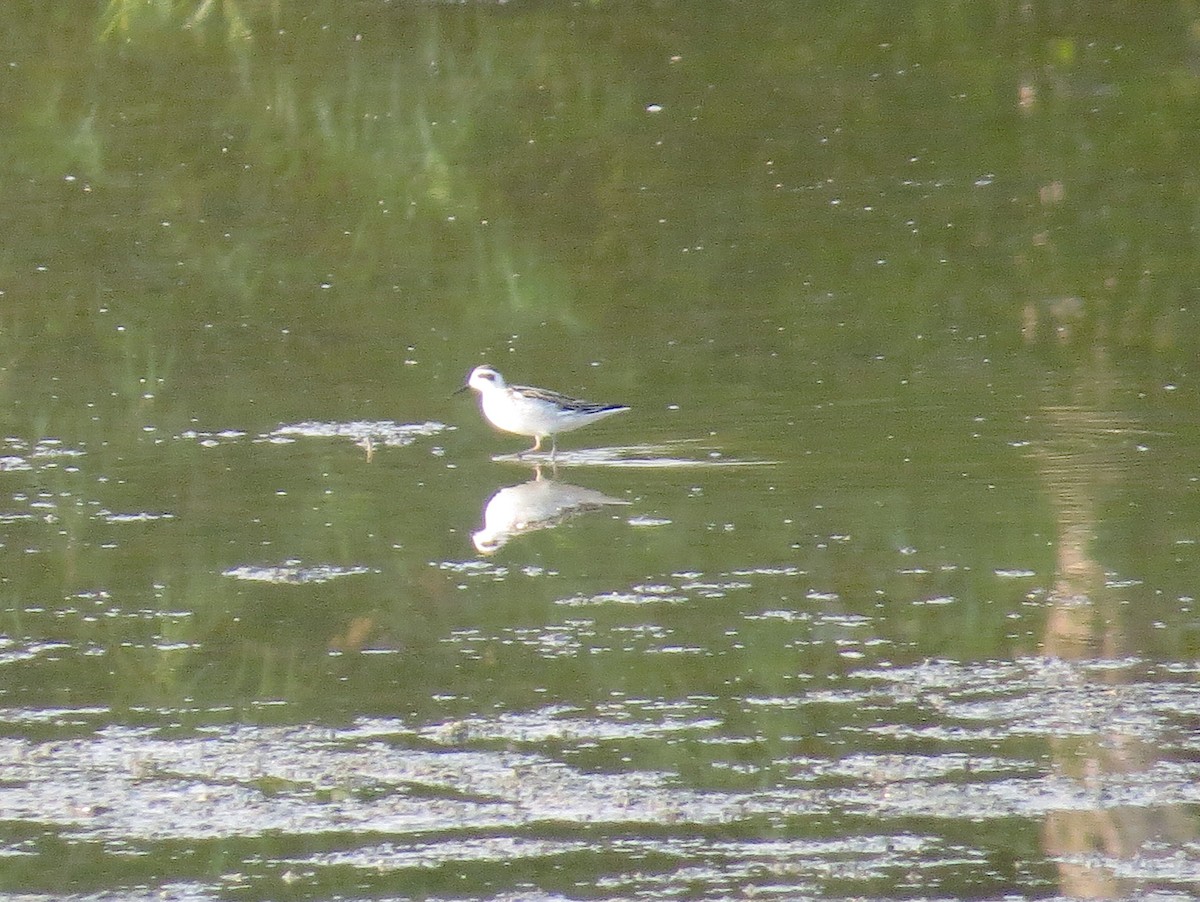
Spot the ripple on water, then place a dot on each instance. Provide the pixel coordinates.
(562, 724)
(379, 432)
(672, 865)
(293, 573)
(678, 454)
(1038, 697)
(136, 517)
(14, 651)
(42, 454)
(686, 586)
(382, 432)
(245, 781)
(499, 787)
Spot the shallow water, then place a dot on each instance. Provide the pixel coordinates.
(782, 708)
(883, 588)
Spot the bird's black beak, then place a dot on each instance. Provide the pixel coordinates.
(459, 390)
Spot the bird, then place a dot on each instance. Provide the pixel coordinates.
(530, 506)
(535, 412)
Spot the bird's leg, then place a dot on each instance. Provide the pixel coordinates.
(537, 446)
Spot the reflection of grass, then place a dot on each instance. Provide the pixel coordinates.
(125, 18)
(84, 145)
(236, 26)
(120, 16)
(254, 159)
(394, 150)
(146, 363)
(54, 137)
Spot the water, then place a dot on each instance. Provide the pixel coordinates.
(884, 587)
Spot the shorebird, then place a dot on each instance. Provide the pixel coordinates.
(535, 412)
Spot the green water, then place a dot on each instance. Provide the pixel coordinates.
(883, 588)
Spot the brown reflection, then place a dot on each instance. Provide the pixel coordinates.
(355, 636)
(1087, 453)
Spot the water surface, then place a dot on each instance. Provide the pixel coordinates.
(884, 588)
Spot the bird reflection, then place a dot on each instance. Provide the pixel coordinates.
(537, 504)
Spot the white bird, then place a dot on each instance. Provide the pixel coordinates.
(535, 412)
(530, 506)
